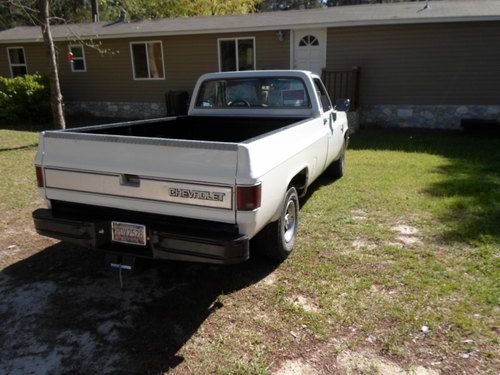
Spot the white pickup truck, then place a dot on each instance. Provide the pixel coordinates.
(196, 187)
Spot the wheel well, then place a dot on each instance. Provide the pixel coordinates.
(299, 182)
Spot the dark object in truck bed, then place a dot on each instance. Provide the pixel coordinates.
(177, 103)
(197, 128)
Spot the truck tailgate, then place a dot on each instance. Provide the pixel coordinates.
(171, 177)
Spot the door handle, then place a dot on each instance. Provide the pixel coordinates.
(130, 180)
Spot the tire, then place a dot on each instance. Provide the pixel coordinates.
(337, 168)
(276, 241)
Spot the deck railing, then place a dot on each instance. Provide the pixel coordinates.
(343, 84)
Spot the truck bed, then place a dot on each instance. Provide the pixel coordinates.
(198, 128)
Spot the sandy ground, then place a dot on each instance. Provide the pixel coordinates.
(63, 311)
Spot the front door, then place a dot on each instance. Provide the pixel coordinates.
(309, 52)
(332, 120)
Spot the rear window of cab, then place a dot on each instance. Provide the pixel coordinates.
(254, 92)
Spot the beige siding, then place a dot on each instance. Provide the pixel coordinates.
(421, 64)
(109, 76)
(271, 53)
(36, 58)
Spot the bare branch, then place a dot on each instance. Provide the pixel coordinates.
(89, 42)
(30, 12)
(20, 5)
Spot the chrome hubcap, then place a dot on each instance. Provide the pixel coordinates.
(290, 221)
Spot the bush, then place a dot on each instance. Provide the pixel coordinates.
(25, 98)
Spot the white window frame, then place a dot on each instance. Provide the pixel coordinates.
(78, 58)
(237, 57)
(145, 42)
(12, 65)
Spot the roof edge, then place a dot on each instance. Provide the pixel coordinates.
(386, 22)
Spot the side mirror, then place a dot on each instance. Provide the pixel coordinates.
(342, 105)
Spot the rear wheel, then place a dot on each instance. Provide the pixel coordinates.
(277, 239)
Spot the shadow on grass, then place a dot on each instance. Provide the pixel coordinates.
(73, 121)
(27, 127)
(470, 178)
(161, 306)
(18, 147)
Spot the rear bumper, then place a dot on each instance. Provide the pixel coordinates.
(165, 242)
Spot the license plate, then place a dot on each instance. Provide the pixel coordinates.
(132, 234)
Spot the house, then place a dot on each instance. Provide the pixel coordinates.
(417, 67)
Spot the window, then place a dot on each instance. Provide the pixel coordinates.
(323, 95)
(78, 64)
(147, 60)
(236, 54)
(308, 40)
(253, 92)
(17, 61)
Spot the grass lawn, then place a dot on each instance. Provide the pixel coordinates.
(410, 237)
(18, 184)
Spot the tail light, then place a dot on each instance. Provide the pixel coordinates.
(39, 176)
(248, 198)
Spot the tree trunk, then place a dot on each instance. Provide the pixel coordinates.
(56, 98)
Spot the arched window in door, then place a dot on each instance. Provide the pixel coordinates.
(308, 40)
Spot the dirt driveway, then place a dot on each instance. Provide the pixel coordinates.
(63, 312)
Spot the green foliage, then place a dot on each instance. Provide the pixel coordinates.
(25, 98)
(11, 15)
(147, 9)
(25, 12)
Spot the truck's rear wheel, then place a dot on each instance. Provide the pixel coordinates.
(276, 241)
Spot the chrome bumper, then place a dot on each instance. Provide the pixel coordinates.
(184, 244)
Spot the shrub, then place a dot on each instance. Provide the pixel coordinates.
(25, 98)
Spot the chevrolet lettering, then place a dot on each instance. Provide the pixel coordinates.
(196, 194)
(200, 187)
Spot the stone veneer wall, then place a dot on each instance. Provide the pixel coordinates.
(426, 116)
(353, 121)
(128, 110)
(405, 116)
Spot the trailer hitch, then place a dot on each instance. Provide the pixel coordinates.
(120, 263)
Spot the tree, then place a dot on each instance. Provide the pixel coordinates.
(220, 8)
(151, 9)
(290, 4)
(56, 98)
(266, 5)
(41, 13)
(24, 12)
(38, 13)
